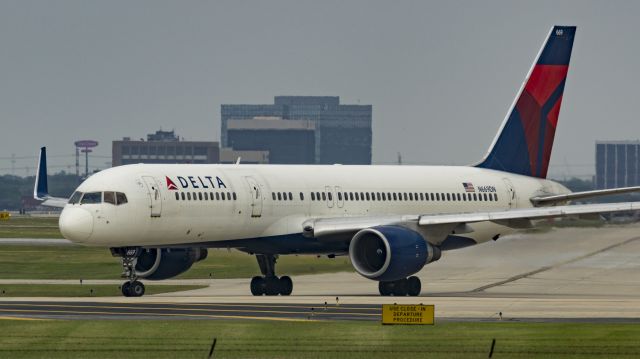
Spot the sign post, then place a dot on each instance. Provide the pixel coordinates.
(408, 314)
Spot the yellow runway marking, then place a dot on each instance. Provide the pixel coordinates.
(19, 318)
(318, 312)
(159, 314)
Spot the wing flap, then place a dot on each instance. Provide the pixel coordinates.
(553, 199)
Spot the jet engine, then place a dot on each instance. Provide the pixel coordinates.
(389, 253)
(165, 263)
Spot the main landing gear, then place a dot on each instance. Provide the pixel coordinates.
(133, 287)
(408, 286)
(269, 283)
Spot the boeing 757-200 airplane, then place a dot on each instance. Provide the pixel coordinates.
(390, 220)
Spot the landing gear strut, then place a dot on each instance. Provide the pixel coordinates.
(269, 283)
(133, 287)
(408, 286)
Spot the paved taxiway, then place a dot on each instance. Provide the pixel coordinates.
(562, 274)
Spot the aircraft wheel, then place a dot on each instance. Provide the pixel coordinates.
(286, 285)
(400, 288)
(272, 286)
(136, 289)
(126, 286)
(413, 286)
(257, 286)
(384, 288)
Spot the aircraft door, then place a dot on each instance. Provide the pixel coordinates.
(256, 197)
(154, 195)
(330, 198)
(511, 192)
(340, 199)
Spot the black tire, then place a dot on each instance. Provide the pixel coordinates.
(137, 289)
(400, 288)
(286, 285)
(257, 286)
(384, 288)
(414, 286)
(272, 286)
(126, 286)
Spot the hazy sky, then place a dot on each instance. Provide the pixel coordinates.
(440, 75)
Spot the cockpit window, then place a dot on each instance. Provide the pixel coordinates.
(91, 197)
(75, 198)
(110, 197)
(121, 198)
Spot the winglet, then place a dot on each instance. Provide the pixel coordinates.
(41, 187)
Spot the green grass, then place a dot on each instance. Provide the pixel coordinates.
(258, 339)
(30, 227)
(75, 262)
(85, 290)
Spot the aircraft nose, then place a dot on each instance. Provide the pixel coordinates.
(76, 224)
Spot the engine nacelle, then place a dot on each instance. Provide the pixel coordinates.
(165, 263)
(389, 253)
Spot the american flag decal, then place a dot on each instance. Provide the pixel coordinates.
(468, 187)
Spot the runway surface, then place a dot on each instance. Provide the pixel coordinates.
(255, 311)
(571, 274)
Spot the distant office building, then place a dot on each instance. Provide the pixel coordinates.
(617, 164)
(163, 147)
(300, 129)
(229, 156)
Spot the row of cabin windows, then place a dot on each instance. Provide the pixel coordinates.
(206, 196)
(390, 196)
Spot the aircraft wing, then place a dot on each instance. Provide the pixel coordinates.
(41, 187)
(550, 200)
(443, 224)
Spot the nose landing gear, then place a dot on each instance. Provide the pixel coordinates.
(133, 287)
(269, 283)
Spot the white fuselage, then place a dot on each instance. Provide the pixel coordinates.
(157, 215)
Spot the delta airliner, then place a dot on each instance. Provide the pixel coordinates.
(390, 220)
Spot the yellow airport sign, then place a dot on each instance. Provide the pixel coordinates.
(5, 215)
(408, 314)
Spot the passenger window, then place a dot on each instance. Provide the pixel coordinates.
(301, 196)
(351, 196)
(206, 196)
(367, 196)
(475, 197)
(177, 197)
(234, 196)
(384, 196)
(290, 196)
(379, 196)
(91, 198)
(200, 196)
(495, 197)
(411, 196)
(284, 196)
(357, 196)
(222, 196)
(458, 195)
(273, 195)
(75, 198)
(217, 196)
(189, 195)
(339, 196)
(484, 195)
(313, 196)
(279, 196)
(318, 195)
(211, 195)
(395, 196)
(324, 196)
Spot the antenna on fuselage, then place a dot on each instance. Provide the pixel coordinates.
(238, 160)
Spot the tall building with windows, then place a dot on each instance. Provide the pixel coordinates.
(301, 130)
(617, 164)
(163, 147)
